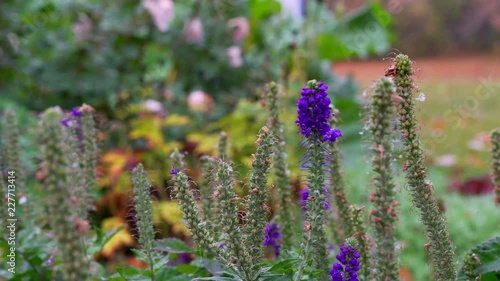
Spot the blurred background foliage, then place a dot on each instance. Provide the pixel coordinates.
(175, 79)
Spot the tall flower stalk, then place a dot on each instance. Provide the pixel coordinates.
(89, 156)
(495, 163)
(313, 116)
(337, 185)
(384, 216)
(66, 226)
(201, 235)
(228, 206)
(74, 154)
(285, 217)
(258, 197)
(207, 190)
(13, 151)
(222, 146)
(440, 245)
(144, 214)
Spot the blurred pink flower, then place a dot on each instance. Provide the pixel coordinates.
(83, 28)
(153, 106)
(240, 27)
(162, 12)
(234, 55)
(194, 30)
(200, 101)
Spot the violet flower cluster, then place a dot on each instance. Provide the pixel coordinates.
(348, 265)
(273, 234)
(304, 195)
(314, 113)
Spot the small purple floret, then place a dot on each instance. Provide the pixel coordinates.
(304, 195)
(273, 235)
(76, 112)
(65, 122)
(174, 171)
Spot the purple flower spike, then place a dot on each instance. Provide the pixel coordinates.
(174, 171)
(76, 112)
(348, 265)
(314, 113)
(272, 234)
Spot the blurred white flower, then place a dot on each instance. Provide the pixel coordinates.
(200, 101)
(83, 28)
(447, 160)
(421, 97)
(234, 55)
(194, 30)
(480, 141)
(153, 106)
(292, 8)
(240, 27)
(162, 12)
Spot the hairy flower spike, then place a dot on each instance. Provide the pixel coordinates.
(12, 149)
(74, 154)
(62, 220)
(89, 156)
(341, 227)
(273, 235)
(348, 266)
(357, 221)
(257, 205)
(177, 161)
(144, 217)
(471, 262)
(222, 146)
(201, 235)
(495, 159)
(228, 216)
(207, 190)
(282, 183)
(383, 199)
(442, 249)
(313, 116)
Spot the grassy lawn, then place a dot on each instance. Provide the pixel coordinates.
(456, 119)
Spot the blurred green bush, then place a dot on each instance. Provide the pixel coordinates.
(69, 52)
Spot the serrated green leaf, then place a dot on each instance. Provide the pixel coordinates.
(101, 240)
(285, 266)
(133, 273)
(333, 48)
(173, 245)
(187, 268)
(140, 255)
(260, 9)
(160, 263)
(488, 253)
(167, 272)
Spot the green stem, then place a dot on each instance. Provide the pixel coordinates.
(303, 263)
